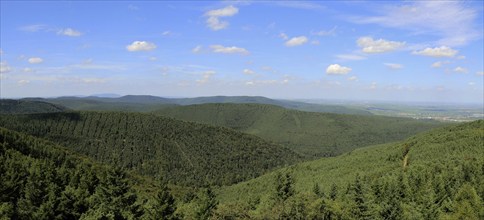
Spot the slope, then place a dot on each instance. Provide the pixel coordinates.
(183, 152)
(145, 103)
(308, 133)
(10, 106)
(435, 174)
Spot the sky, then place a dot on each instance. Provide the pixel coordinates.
(427, 51)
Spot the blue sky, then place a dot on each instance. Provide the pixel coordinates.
(356, 50)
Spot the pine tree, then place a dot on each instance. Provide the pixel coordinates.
(208, 204)
(164, 203)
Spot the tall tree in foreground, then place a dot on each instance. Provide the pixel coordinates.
(164, 204)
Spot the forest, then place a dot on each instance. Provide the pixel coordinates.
(221, 162)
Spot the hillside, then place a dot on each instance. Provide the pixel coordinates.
(11, 106)
(146, 103)
(308, 133)
(437, 174)
(183, 152)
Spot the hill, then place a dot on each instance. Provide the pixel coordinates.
(185, 153)
(308, 133)
(435, 175)
(146, 103)
(11, 106)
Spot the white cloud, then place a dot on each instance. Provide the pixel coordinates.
(23, 82)
(166, 33)
(296, 41)
(33, 28)
(480, 73)
(27, 70)
(315, 42)
(35, 60)
(461, 57)
(439, 64)
(471, 83)
(350, 57)
(353, 78)
(283, 36)
(393, 65)
(460, 70)
(248, 71)
(213, 20)
(453, 21)
(373, 85)
(141, 46)
(228, 50)
(206, 76)
(4, 67)
(197, 49)
(322, 33)
(69, 32)
(336, 69)
(442, 51)
(153, 58)
(369, 45)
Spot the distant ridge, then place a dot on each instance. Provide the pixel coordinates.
(145, 103)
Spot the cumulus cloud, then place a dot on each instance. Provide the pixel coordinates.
(229, 50)
(369, 45)
(4, 67)
(141, 46)
(394, 66)
(206, 76)
(296, 41)
(442, 51)
(213, 20)
(248, 71)
(69, 32)
(460, 70)
(336, 69)
(35, 60)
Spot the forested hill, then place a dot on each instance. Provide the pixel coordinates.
(11, 106)
(185, 153)
(311, 134)
(145, 103)
(434, 175)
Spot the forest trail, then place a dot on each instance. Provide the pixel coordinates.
(405, 158)
(183, 153)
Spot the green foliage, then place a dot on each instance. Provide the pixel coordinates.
(184, 153)
(53, 183)
(308, 133)
(443, 180)
(10, 106)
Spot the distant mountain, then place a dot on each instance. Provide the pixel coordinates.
(185, 153)
(145, 103)
(308, 133)
(434, 175)
(11, 106)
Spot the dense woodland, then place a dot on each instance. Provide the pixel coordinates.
(183, 152)
(311, 134)
(114, 165)
(10, 106)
